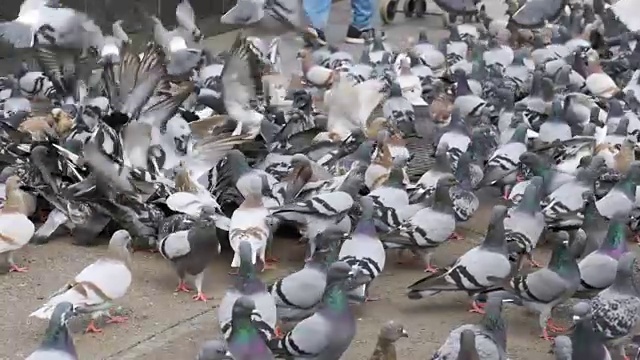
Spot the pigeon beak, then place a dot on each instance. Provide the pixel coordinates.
(404, 333)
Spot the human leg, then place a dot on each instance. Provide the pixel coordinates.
(317, 12)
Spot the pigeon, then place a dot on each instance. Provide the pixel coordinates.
(249, 223)
(245, 340)
(615, 311)
(15, 227)
(468, 346)
(490, 336)
(318, 213)
(584, 342)
(622, 196)
(544, 289)
(246, 284)
(534, 14)
(58, 343)
(214, 350)
(598, 269)
(385, 347)
(297, 295)
(364, 251)
(333, 325)
(525, 224)
(429, 227)
(191, 250)
(97, 285)
(473, 270)
(594, 225)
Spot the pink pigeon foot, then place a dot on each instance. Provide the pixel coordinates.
(455, 237)
(117, 319)
(431, 269)
(476, 308)
(182, 287)
(16, 268)
(200, 297)
(551, 325)
(92, 328)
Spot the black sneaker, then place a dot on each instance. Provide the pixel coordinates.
(314, 36)
(355, 36)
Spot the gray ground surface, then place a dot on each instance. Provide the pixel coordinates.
(165, 325)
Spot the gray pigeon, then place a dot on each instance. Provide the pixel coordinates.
(525, 223)
(490, 337)
(568, 198)
(214, 350)
(399, 110)
(473, 270)
(543, 289)
(621, 198)
(191, 250)
(616, 310)
(429, 227)
(555, 128)
(317, 214)
(245, 339)
(297, 295)
(333, 326)
(390, 197)
(364, 251)
(594, 225)
(247, 284)
(537, 13)
(501, 169)
(598, 269)
(426, 185)
(584, 342)
(58, 344)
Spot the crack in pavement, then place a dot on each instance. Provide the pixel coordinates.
(159, 338)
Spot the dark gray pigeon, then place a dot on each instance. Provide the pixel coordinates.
(58, 344)
(584, 342)
(190, 251)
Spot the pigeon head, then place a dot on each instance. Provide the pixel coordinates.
(366, 207)
(213, 350)
(62, 313)
(580, 310)
(393, 331)
(243, 307)
(120, 241)
(447, 181)
(329, 238)
(299, 160)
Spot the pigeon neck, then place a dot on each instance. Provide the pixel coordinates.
(442, 162)
(614, 243)
(627, 186)
(242, 329)
(529, 202)
(366, 227)
(57, 337)
(442, 199)
(495, 237)
(591, 213)
(335, 300)
(562, 261)
(493, 322)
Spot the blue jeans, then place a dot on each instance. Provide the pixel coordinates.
(318, 13)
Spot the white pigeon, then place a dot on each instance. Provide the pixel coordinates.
(97, 285)
(15, 227)
(249, 223)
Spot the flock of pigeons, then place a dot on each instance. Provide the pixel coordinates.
(176, 150)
